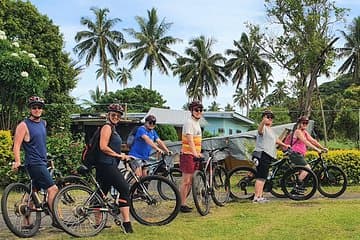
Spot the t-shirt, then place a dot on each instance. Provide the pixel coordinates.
(192, 127)
(266, 142)
(140, 149)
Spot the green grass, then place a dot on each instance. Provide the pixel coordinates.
(318, 218)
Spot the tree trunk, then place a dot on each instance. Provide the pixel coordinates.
(151, 72)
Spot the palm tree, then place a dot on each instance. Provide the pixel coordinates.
(201, 71)
(123, 76)
(240, 98)
(229, 108)
(105, 69)
(214, 107)
(352, 51)
(247, 63)
(151, 45)
(99, 40)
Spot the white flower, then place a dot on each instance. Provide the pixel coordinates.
(24, 52)
(35, 60)
(31, 55)
(2, 37)
(42, 66)
(16, 44)
(2, 33)
(14, 54)
(24, 74)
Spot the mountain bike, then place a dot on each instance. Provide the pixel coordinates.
(332, 179)
(23, 206)
(282, 181)
(83, 212)
(210, 180)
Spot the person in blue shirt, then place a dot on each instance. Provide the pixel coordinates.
(146, 139)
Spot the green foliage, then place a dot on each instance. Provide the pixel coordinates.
(138, 99)
(207, 134)
(167, 132)
(281, 115)
(6, 156)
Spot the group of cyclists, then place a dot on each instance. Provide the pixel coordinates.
(31, 136)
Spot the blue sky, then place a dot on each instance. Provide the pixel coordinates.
(222, 20)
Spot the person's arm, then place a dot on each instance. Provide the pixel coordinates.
(285, 146)
(262, 125)
(105, 135)
(314, 142)
(299, 135)
(151, 143)
(20, 133)
(162, 145)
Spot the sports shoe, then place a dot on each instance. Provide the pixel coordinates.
(260, 200)
(127, 227)
(185, 209)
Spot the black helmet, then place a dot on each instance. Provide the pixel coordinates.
(267, 113)
(115, 107)
(195, 104)
(35, 100)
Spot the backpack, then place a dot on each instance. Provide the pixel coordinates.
(91, 151)
(131, 137)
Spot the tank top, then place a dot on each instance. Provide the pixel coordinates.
(299, 146)
(35, 149)
(115, 142)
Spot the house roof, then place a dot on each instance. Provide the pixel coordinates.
(229, 115)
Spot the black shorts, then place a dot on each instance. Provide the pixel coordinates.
(262, 169)
(40, 176)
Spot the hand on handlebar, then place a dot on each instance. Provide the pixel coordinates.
(15, 166)
(324, 150)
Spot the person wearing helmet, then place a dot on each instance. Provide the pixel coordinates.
(146, 139)
(264, 153)
(107, 172)
(190, 151)
(300, 141)
(30, 134)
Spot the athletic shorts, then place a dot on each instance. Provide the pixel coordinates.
(188, 164)
(262, 169)
(297, 159)
(137, 162)
(40, 176)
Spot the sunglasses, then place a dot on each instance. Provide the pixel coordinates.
(113, 115)
(270, 116)
(152, 122)
(36, 107)
(305, 122)
(198, 110)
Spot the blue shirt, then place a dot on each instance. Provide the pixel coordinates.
(140, 149)
(35, 149)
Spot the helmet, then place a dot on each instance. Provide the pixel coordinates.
(35, 100)
(115, 107)
(302, 119)
(150, 118)
(267, 113)
(195, 104)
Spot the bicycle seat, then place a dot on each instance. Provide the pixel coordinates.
(83, 170)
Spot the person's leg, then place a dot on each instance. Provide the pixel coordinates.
(185, 187)
(262, 171)
(51, 191)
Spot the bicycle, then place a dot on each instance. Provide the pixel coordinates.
(23, 204)
(332, 180)
(82, 212)
(282, 181)
(210, 180)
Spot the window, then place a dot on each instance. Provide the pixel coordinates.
(238, 131)
(221, 130)
(230, 131)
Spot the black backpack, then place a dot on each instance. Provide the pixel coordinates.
(91, 150)
(131, 137)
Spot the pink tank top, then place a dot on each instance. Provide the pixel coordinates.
(300, 146)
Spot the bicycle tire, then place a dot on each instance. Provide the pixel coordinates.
(148, 207)
(174, 175)
(290, 183)
(220, 189)
(200, 193)
(332, 181)
(275, 182)
(80, 211)
(242, 183)
(70, 179)
(15, 210)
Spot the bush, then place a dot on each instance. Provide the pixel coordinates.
(167, 132)
(6, 156)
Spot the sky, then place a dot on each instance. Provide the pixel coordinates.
(223, 21)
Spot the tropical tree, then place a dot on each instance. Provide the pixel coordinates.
(123, 76)
(278, 96)
(99, 41)
(248, 64)
(214, 107)
(229, 108)
(201, 71)
(351, 50)
(105, 69)
(240, 98)
(151, 45)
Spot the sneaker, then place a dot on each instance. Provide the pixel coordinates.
(127, 227)
(260, 200)
(185, 209)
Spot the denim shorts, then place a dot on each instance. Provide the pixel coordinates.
(40, 176)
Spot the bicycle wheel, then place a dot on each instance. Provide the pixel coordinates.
(332, 181)
(200, 193)
(19, 211)
(80, 211)
(275, 182)
(297, 189)
(220, 189)
(242, 183)
(71, 179)
(148, 207)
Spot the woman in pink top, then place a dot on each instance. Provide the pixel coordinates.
(301, 140)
